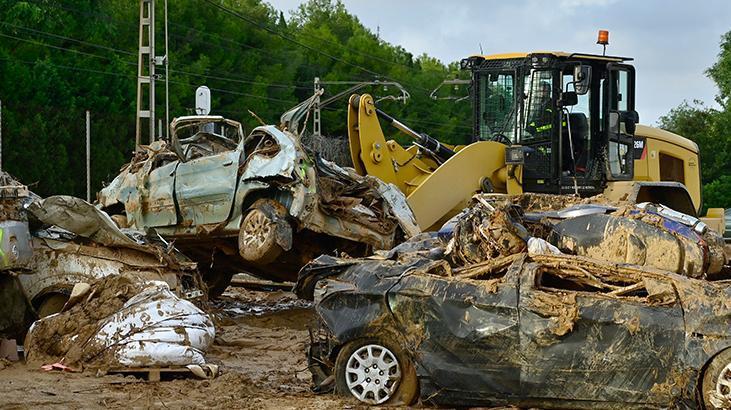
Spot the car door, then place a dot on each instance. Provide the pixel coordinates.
(205, 187)
(593, 346)
(464, 331)
(158, 201)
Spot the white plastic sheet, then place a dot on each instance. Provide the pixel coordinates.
(538, 246)
(156, 328)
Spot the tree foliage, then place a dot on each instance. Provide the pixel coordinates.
(710, 128)
(59, 58)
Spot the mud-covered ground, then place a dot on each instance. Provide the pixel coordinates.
(260, 342)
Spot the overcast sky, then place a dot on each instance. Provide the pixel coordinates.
(672, 41)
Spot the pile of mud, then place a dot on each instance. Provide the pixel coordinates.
(122, 321)
(64, 336)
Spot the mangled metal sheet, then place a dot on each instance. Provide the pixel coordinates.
(274, 159)
(497, 315)
(82, 218)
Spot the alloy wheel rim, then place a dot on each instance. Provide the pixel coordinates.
(372, 374)
(723, 383)
(256, 229)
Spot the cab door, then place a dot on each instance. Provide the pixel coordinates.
(205, 188)
(620, 121)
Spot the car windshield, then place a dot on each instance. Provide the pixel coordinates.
(202, 137)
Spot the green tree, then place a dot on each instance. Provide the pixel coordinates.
(709, 128)
(59, 58)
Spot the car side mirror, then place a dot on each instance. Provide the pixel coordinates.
(582, 79)
(569, 98)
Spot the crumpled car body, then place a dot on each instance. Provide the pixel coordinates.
(78, 243)
(490, 313)
(549, 331)
(198, 190)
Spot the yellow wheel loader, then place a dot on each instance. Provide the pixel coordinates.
(544, 122)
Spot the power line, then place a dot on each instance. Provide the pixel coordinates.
(64, 48)
(299, 43)
(67, 38)
(118, 74)
(207, 75)
(236, 80)
(107, 17)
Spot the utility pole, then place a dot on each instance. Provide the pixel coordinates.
(88, 157)
(146, 71)
(146, 76)
(316, 110)
(167, 75)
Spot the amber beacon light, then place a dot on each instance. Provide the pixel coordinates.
(603, 39)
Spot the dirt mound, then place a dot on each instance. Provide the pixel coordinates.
(64, 335)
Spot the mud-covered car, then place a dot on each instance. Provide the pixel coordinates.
(259, 204)
(544, 331)
(494, 314)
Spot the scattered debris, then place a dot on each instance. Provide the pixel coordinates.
(78, 243)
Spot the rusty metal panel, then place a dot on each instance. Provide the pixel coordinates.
(205, 188)
(158, 200)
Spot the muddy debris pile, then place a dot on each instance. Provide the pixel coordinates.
(495, 231)
(63, 254)
(645, 234)
(122, 321)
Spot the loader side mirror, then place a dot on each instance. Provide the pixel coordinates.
(631, 118)
(569, 98)
(582, 79)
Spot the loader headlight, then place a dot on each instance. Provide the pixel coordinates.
(514, 155)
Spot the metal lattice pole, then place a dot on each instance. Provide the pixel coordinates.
(88, 157)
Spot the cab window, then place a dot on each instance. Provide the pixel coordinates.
(576, 129)
(497, 109)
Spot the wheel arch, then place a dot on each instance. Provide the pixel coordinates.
(698, 391)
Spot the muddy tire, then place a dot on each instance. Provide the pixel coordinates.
(716, 383)
(51, 304)
(376, 372)
(257, 238)
(218, 284)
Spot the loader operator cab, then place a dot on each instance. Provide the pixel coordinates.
(568, 119)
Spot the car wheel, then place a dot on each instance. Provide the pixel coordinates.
(716, 384)
(376, 372)
(51, 304)
(257, 238)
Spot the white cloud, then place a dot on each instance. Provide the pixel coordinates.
(673, 42)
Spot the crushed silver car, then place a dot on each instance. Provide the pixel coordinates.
(259, 204)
